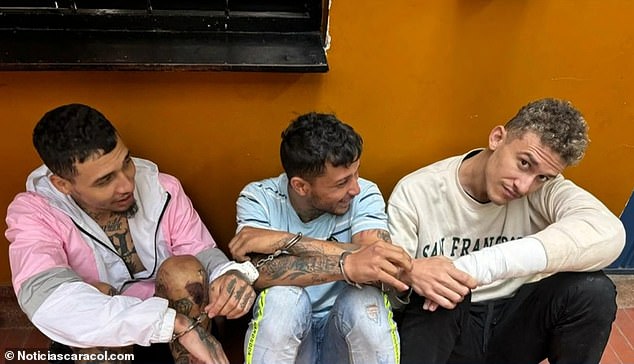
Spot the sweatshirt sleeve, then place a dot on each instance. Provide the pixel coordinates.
(584, 235)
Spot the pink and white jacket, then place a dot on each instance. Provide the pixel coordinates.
(56, 250)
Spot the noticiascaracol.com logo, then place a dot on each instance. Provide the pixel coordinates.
(34, 355)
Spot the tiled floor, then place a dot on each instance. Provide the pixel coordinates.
(620, 349)
(16, 332)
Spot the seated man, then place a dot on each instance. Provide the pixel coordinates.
(319, 226)
(534, 241)
(107, 252)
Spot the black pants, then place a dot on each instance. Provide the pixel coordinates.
(566, 318)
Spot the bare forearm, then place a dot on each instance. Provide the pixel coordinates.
(311, 247)
(252, 240)
(291, 270)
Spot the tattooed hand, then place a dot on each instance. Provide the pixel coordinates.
(196, 346)
(230, 295)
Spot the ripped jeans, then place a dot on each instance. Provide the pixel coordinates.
(358, 329)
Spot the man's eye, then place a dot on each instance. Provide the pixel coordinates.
(104, 181)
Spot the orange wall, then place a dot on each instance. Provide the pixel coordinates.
(420, 80)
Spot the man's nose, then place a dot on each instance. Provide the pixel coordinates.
(355, 188)
(523, 184)
(125, 184)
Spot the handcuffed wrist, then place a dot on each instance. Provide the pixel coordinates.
(294, 240)
(284, 250)
(246, 268)
(342, 259)
(192, 325)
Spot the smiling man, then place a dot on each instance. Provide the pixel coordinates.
(107, 252)
(533, 240)
(314, 228)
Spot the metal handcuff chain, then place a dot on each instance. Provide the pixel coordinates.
(285, 250)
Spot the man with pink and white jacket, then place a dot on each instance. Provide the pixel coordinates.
(107, 252)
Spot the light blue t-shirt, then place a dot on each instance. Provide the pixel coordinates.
(265, 204)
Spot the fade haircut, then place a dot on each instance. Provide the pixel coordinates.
(314, 139)
(558, 124)
(70, 134)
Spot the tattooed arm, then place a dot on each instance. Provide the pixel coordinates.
(197, 342)
(309, 262)
(314, 261)
(300, 271)
(264, 241)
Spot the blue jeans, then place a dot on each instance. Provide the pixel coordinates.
(358, 329)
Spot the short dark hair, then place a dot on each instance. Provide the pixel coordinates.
(71, 133)
(558, 124)
(313, 139)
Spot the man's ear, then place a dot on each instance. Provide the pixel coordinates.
(62, 184)
(497, 137)
(300, 185)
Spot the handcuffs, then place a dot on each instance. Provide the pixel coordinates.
(195, 323)
(294, 240)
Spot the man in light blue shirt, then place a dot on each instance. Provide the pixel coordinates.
(318, 235)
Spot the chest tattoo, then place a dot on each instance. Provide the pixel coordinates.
(118, 231)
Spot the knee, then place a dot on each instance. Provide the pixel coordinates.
(282, 312)
(180, 266)
(364, 309)
(594, 291)
(180, 277)
(596, 286)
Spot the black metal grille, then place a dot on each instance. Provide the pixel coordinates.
(208, 15)
(141, 34)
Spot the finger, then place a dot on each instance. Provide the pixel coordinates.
(233, 244)
(389, 268)
(212, 297)
(454, 294)
(440, 294)
(459, 282)
(455, 287)
(244, 306)
(430, 305)
(463, 278)
(389, 279)
(441, 301)
(398, 257)
(236, 247)
(393, 268)
(237, 253)
(228, 308)
(246, 303)
(244, 298)
(240, 258)
(218, 297)
(232, 307)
